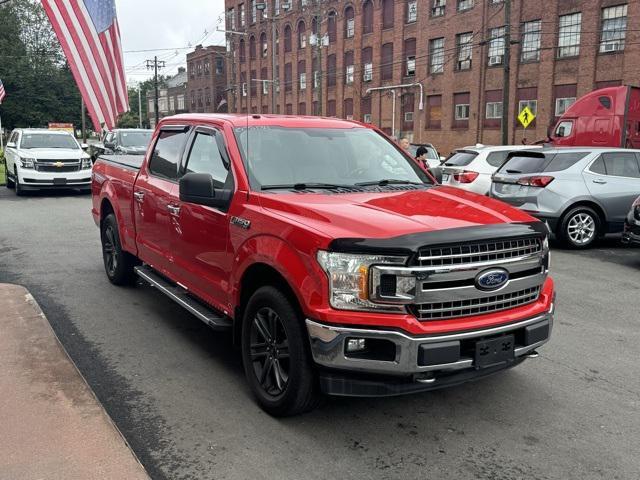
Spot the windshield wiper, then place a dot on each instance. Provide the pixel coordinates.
(387, 181)
(304, 186)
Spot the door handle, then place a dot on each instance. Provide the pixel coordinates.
(599, 181)
(174, 210)
(139, 196)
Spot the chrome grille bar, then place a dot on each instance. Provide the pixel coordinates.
(479, 252)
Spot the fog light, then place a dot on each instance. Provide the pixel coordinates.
(355, 345)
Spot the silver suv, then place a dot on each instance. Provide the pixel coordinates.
(582, 193)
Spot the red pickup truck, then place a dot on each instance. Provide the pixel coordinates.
(338, 264)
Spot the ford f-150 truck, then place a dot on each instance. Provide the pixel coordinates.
(335, 260)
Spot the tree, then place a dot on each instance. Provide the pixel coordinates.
(128, 120)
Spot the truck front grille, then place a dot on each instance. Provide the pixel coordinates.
(478, 252)
(476, 306)
(58, 166)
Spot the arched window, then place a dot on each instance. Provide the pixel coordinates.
(302, 35)
(242, 51)
(387, 14)
(349, 22)
(367, 17)
(287, 38)
(252, 47)
(263, 45)
(332, 22)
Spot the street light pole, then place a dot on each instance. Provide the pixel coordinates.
(507, 72)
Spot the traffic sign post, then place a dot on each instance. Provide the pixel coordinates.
(526, 116)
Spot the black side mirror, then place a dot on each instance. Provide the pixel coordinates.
(198, 188)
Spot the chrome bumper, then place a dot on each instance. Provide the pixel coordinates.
(328, 347)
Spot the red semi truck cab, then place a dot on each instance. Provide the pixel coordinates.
(338, 264)
(607, 117)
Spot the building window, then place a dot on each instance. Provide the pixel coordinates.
(263, 44)
(531, 33)
(316, 79)
(367, 74)
(254, 11)
(464, 5)
(302, 108)
(287, 38)
(366, 118)
(496, 46)
(349, 23)
(192, 71)
(569, 35)
(348, 108)
(265, 87)
(152, 107)
(241, 10)
(180, 102)
(207, 96)
(253, 87)
(387, 14)
(287, 77)
(532, 104)
(331, 70)
(386, 67)
(367, 17)
(494, 110)
(410, 56)
(302, 35)
(193, 99)
(562, 104)
(289, 109)
(436, 55)
(243, 54)
(411, 65)
(199, 66)
(303, 81)
(231, 19)
(462, 111)
(276, 7)
(438, 8)
(332, 26)
(614, 29)
(464, 50)
(350, 69)
(219, 65)
(434, 111)
(252, 47)
(412, 11)
(331, 108)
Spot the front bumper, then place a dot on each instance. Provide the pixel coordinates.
(32, 179)
(416, 363)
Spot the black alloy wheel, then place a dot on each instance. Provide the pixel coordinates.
(270, 351)
(118, 264)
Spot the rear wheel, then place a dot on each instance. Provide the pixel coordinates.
(118, 264)
(580, 227)
(276, 359)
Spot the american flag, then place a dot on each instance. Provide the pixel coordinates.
(2, 92)
(90, 37)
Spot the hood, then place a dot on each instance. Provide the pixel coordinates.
(53, 153)
(390, 214)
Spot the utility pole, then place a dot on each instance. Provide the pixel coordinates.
(155, 65)
(507, 72)
(139, 107)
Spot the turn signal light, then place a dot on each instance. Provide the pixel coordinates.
(538, 181)
(466, 176)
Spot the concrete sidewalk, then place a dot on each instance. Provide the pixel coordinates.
(51, 425)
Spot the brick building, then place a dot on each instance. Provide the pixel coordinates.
(453, 48)
(171, 97)
(207, 80)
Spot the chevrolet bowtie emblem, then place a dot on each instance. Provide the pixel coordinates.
(59, 164)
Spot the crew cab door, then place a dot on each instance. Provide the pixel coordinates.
(200, 234)
(152, 199)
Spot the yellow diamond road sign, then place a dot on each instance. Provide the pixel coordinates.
(526, 117)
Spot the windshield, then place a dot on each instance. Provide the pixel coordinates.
(460, 158)
(345, 157)
(135, 139)
(48, 140)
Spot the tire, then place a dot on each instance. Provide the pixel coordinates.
(274, 338)
(10, 183)
(580, 228)
(16, 184)
(118, 264)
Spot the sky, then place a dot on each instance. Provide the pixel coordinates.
(166, 24)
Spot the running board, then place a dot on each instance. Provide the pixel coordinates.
(179, 295)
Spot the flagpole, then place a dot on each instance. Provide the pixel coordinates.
(1, 136)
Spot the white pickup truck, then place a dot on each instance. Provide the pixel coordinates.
(44, 159)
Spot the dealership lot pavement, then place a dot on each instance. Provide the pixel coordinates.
(177, 392)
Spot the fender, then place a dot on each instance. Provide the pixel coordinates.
(300, 270)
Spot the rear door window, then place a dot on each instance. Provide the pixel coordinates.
(461, 158)
(496, 159)
(562, 161)
(621, 164)
(166, 154)
(526, 163)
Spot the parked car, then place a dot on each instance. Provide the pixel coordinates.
(44, 159)
(123, 141)
(471, 168)
(582, 193)
(325, 249)
(631, 233)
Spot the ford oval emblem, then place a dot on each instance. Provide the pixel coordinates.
(492, 279)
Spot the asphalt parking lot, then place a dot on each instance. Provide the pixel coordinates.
(177, 392)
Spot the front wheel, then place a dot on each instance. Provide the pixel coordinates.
(118, 264)
(580, 228)
(276, 359)
(17, 185)
(10, 183)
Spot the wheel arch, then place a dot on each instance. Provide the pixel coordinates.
(595, 206)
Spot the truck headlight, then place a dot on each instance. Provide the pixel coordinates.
(86, 163)
(349, 279)
(27, 162)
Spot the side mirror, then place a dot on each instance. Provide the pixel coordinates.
(12, 145)
(198, 188)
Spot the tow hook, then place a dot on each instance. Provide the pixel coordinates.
(425, 379)
(533, 354)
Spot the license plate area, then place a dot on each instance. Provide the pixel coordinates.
(59, 181)
(495, 351)
(445, 177)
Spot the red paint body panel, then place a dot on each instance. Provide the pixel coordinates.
(201, 250)
(593, 124)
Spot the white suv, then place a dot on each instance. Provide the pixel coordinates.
(36, 159)
(471, 168)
